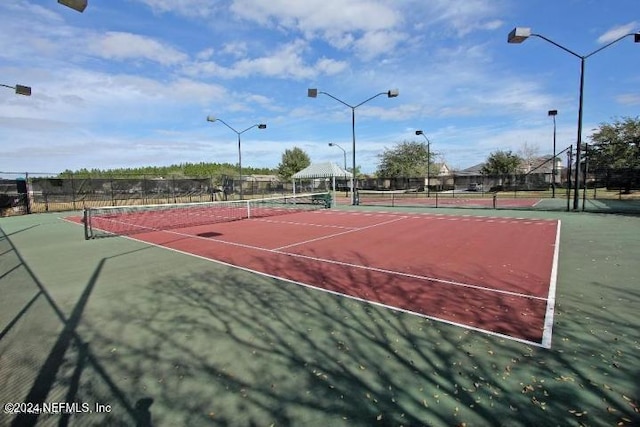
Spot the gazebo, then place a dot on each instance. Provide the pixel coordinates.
(326, 170)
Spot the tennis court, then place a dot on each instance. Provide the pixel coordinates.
(166, 335)
(494, 275)
(444, 200)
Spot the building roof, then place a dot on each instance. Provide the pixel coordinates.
(322, 170)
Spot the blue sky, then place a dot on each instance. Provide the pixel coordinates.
(130, 82)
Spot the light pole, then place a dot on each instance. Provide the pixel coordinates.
(259, 126)
(333, 144)
(553, 113)
(392, 93)
(419, 132)
(20, 89)
(79, 5)
(520, 34)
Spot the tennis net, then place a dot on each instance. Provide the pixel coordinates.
(127, 220)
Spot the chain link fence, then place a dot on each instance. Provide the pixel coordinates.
(538, 188)
(27, 193)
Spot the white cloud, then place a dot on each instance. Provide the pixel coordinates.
(320, 15)
(465, 16)
(617, 32)
(628, 99)
(287, 61)
(369, 27)
(189, 8)
(205, 55)
(128, 46)
(330, 67)
(236, 49)
(378, 43)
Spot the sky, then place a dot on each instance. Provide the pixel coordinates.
(130, 83)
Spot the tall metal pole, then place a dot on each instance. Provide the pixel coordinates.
(354, 197)
(428, 169)
(313, 93)
(584, 175)
(520, 34)
(569, 185)
(258, 125)
(576, 193)
(344, 153)
(419, 132)
(553, 114)
(240, 166)
(553, 178)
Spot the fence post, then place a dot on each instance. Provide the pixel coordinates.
(27, 199)
(113, 198)
(569, 185)
(73, 191)
(173, 189)
(584, 179)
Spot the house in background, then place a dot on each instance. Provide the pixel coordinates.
(441, 177)
(532, 174)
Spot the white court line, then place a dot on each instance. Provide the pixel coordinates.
(306, 224)
(358, 266)
(362, 267)
(551, 299)
(546, 342)
(366, 301)
(340, 234)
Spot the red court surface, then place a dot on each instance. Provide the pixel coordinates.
(495, 275)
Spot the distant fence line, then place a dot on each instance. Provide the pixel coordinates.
(32, 194)
(25, 193)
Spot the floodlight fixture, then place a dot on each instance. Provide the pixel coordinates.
(553, 112)
(519, 34)
(19, 89)
(79, 5)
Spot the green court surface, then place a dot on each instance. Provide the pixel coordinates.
(166, 339)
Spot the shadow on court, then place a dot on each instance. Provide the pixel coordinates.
(68, 350)
(196, 343)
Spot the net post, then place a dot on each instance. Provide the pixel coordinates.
(248, 209)
(85, 220)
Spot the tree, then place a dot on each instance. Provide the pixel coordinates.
(406, 159)
(293, 161)
(616, 145)
(528, 153)
(616, 149)
(502, 164)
